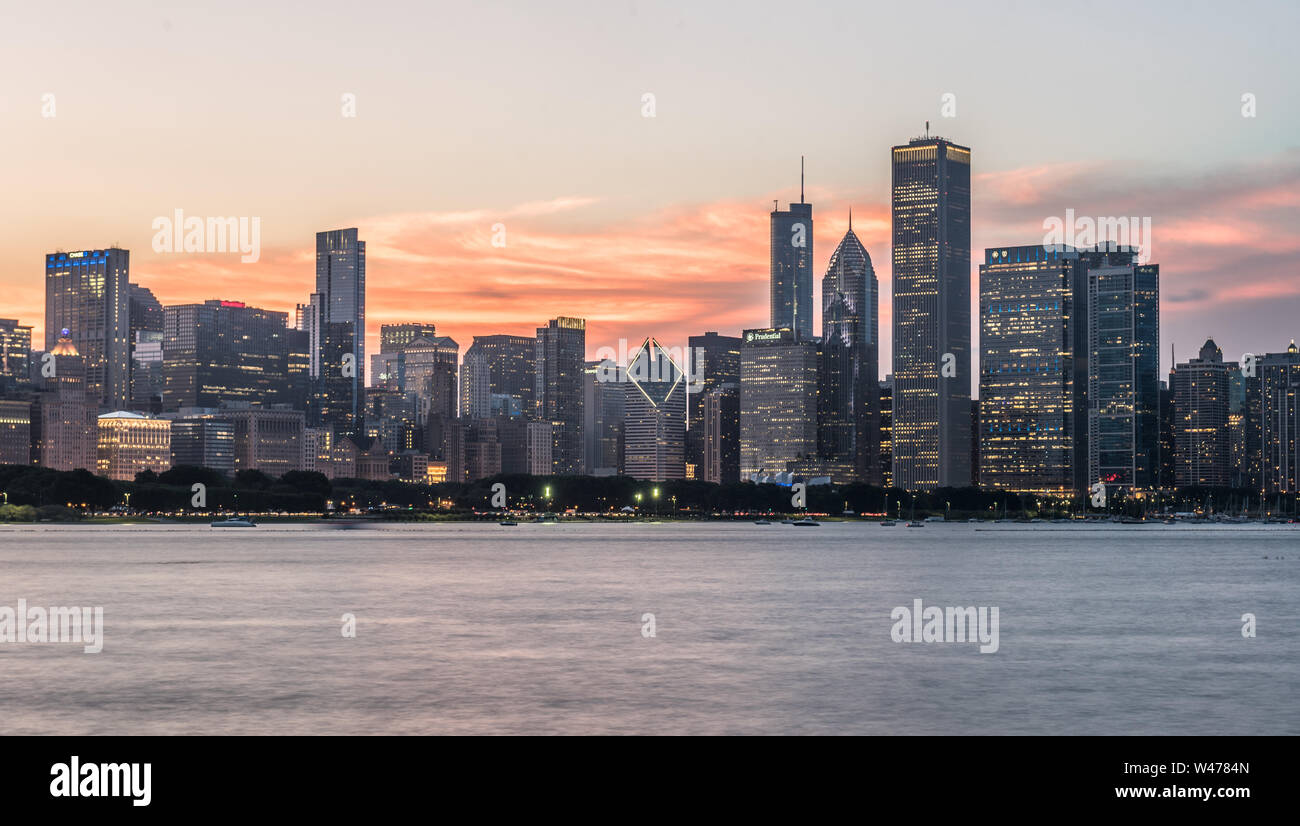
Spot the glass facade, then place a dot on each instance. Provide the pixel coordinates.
(1033, 379)
(341, 322)
(930, 205)
(778, 401)
(560, 367)
(1201, 391)
(792, 268)
(848, 395)
(88, 301)
(1123, 369)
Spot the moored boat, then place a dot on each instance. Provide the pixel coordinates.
(235, 522)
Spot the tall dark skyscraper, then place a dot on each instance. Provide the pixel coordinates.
(721, 424)
(848, 396)
(340, 319)
(1033, 434)
(605, 404)
(1201, 391)
(1277, 405)
(560, 368)
(1123, 369)
(88, 301)
(792, 266)
(931, 314)
(713, 360)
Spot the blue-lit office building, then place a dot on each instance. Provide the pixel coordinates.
(88, 302)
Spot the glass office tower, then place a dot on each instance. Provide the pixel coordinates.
(1123, 369)
(1033, 370)
(88, 302)
(792, 266)
(930, 206)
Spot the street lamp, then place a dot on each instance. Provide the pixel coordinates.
(655, 493)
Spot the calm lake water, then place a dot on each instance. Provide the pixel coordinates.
(537, 629)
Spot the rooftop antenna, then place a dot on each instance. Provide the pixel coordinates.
(927, 130)
(850, 219)
(801, 179)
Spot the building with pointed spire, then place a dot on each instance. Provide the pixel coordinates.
(849, 388)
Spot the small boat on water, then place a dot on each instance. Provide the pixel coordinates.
(806, 522)
(787, 521)
(235, 522)
(888, 523)
(507, 522)
(761, 522)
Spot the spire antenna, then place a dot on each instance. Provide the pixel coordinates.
(850, 219)
(801, 179)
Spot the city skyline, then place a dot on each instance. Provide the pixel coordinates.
(647, 226)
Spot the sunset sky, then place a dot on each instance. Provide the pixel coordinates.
(530, 114)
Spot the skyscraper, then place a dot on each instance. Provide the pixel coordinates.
(1033, 370)
(559, 368)
(497, 377)
(712, 361)
(1202, 443)
(721, 424)
(604, 409)
(848, 396)
(224, 351)
(654, 423)
(931, 314)
(146, 311)
(341, 323)
(393, 337)
(65, 430)
(15, 352)
(792, 263)
(1278, 403)
(778, 401)
(1123, 369)
(428, 368)
(88, 301)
